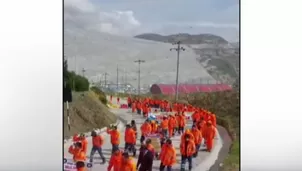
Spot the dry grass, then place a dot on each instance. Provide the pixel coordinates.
(86, 113)
(231, 163)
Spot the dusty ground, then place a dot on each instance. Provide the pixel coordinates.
(86, 113)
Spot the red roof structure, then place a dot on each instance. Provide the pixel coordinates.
(188, 88)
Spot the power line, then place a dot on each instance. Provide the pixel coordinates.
(177, 49)
(139, 74)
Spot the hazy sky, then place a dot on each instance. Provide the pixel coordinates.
(131, 17)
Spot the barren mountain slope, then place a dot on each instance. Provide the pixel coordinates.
(98, 53)
(185, 38)
(218, 56)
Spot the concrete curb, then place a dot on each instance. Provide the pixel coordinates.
(211, 159)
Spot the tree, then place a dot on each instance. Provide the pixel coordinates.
(76, 82)
(65, 68)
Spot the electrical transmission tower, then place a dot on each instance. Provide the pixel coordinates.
(105, 81)
(117, 70)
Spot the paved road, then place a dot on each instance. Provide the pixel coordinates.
(202, 163)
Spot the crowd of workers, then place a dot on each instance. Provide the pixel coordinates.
(172, 124)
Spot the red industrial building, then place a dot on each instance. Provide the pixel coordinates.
(188, 88)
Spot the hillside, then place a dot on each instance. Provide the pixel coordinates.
(98, 53)
(184, 38)
(86, 113)
(219, 57)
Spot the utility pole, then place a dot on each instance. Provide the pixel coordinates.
(83, 72)
(117, 77)
(105, 74)
(99, 78)
(75, 63)
(75, 66)
(139, 74)
(177, 49)
(126, 77)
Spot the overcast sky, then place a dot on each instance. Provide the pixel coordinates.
(131, 17)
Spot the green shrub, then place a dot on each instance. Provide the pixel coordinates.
(103, 99)
(231, 163)
(76, 82)
(101, 95)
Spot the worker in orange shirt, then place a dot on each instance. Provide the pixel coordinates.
(202, 127)
(150, 146)
(181, 123)
(145, 110)
(177, 122)
(213, 119)
(153, 127)
(165, 126)
(149, 109)
(129, 101)
(187, 150)
(133, 125)
(201, 124)
(127, 163)
(168, 107)
(197, 138)
(75, 138)
(162, 106)
(172, 125)
(195, 117)
(167, 156)
(130, 139)
(139, 107)
(79, 156)
(133, 106)
(189, 133)
(82, 138)
(115, 160)
(114, 137)
(145, 130)
(97, 143)
(209, 136)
